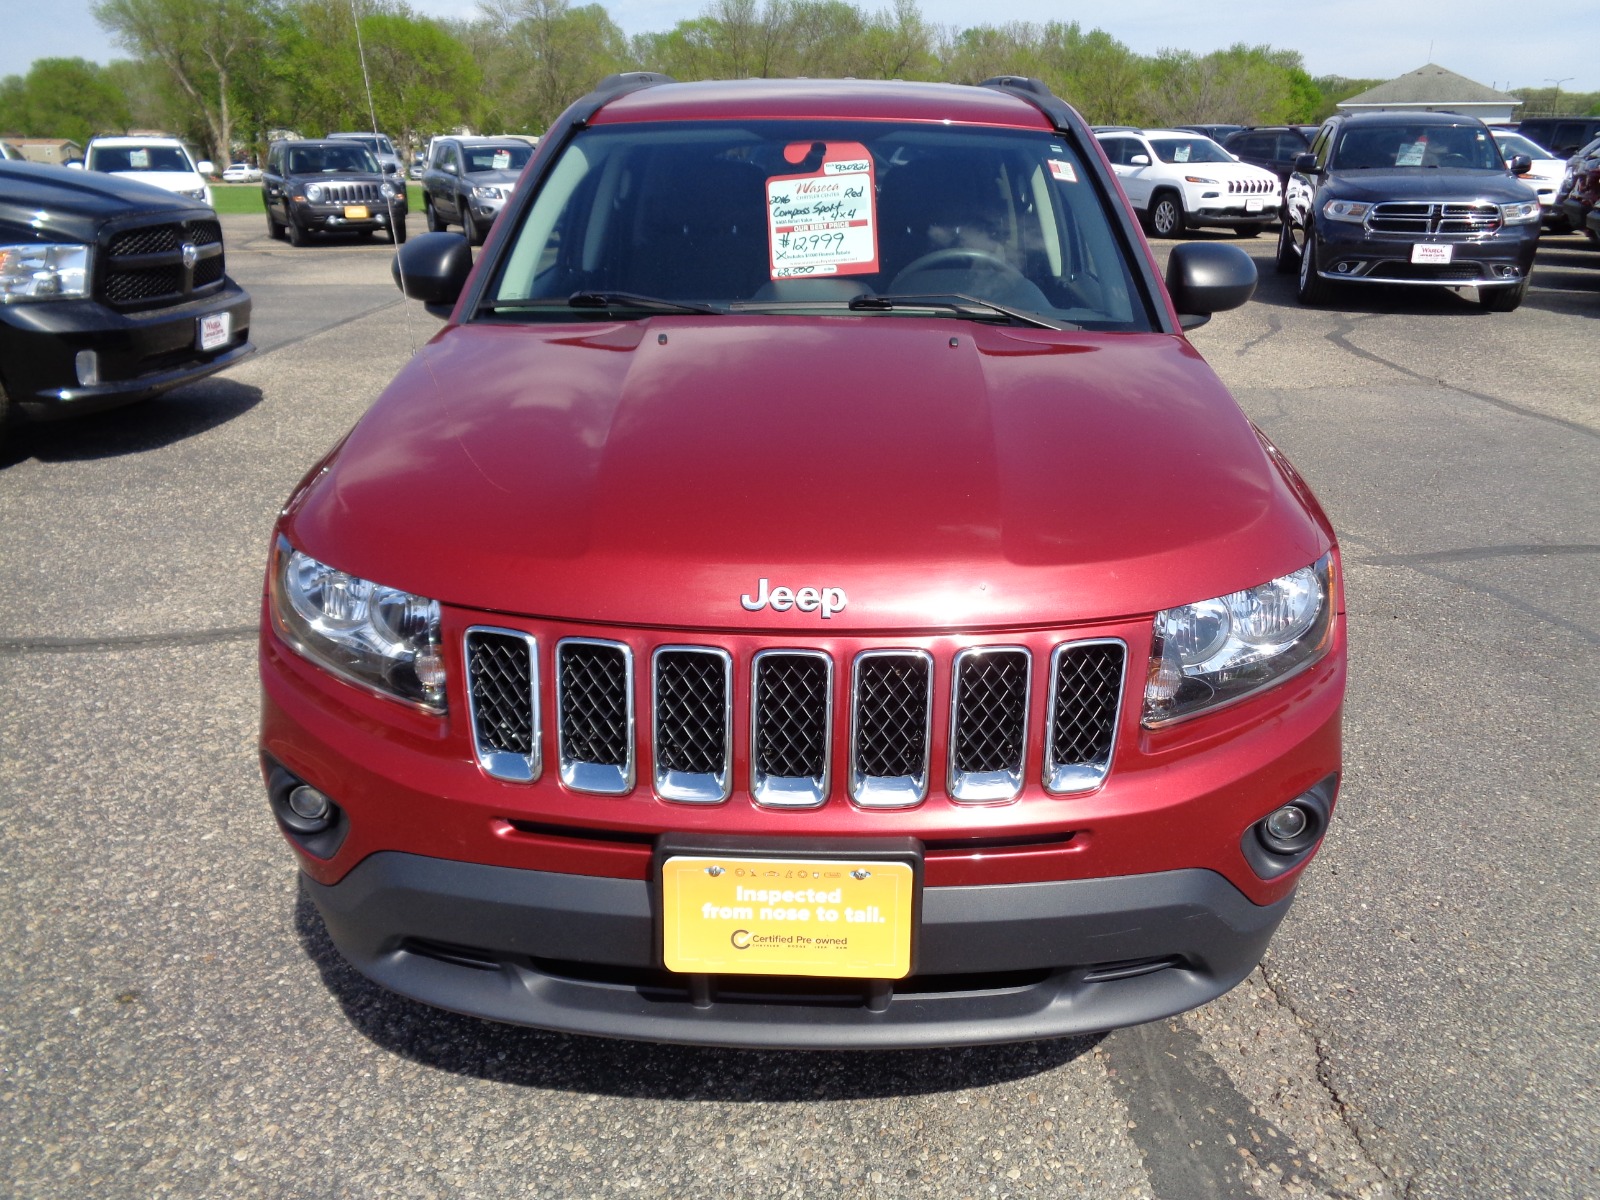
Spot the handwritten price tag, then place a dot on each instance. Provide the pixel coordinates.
(824, 222)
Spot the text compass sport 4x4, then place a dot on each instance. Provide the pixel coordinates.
(810, 593)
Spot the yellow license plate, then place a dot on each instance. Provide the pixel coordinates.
(839, 918)
(356, 212)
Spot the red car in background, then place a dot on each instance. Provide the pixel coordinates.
(809, 594)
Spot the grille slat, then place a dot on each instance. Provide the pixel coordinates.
(890, 715)
(503, 693)
(791, 725)
(351, 193)
(594, 713)
(1085, 699)
(988, 724)
(1418, 219)
(144, 265)
(693, 691)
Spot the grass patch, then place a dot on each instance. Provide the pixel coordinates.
(246, 197)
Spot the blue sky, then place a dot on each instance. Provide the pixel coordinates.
(1376, 39)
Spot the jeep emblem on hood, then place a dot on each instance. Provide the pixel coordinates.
(807, 599)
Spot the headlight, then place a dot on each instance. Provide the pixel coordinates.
(1520, 214)
(1197, 179)
(487, 193)
(1346, 210)
(377, 636)
(1217, 651)
(314, 193)
(43, 271)
(386, 190)
(193, 193)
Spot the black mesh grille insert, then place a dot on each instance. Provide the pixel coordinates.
(207, 271)
(892, 714)
(691, 712)
(144, 283)
(594, 704)
(152, 239)
(791, 716)
(1087, 685)
(991, 712)
(502, 699)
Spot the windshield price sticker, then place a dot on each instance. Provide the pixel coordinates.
(823, 222)
(1062, 170)
(823, 918)
(501, 160)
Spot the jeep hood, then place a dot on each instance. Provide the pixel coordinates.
(1424, 183)
(943, 473)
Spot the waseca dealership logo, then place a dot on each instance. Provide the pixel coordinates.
(740, 939)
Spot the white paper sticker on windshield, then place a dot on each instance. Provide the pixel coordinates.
(1062, 170)
(138, 160)
(1411, 153)
(823, 222)
(502, 160)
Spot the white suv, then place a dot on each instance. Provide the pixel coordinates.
(162, 161)
(1176, 179)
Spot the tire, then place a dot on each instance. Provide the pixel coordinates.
(274, 230)
(1288, 261)
(5, 418)
(297, 236)
(1311, 288)
(435, 225)
(1166, 215)
(470, 227)
(397, 228)
(1503, 299)
(1247, 231)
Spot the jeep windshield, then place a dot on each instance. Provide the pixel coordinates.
(1190, 150)
(1391, 147)
(328, 160)
(496, 158)
(113, 159)
(779, 217)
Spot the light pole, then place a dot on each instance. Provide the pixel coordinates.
(1555, 102)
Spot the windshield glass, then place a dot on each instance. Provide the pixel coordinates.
(139, 158)
(496, 158)
(1515, 143)
(816, 213)
(324, 160)
(1385, 147)
(1189, 150)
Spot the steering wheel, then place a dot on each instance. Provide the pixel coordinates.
(959, 258)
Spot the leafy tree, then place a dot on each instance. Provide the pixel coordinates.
(548, 53)
(64, 98)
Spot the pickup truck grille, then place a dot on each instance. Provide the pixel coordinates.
(1441, 220)
(144, 266)
(790, 695)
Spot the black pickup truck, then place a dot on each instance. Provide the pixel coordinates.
(110, 291)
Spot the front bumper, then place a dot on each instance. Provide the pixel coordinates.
(999, 963)
(1347, 253)
(331, 218)
(140, 353)
(1232, 211)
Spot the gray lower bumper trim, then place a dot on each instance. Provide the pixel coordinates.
(575, 953)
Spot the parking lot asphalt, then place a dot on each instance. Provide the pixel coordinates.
(174, 1022)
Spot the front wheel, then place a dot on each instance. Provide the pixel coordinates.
(1287, 259)
(297, 235)
(1503, 299)
(397, 228)
(1313, 288)
(431, 217)
(1166, 215)
(469, 227)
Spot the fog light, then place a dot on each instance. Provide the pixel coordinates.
(311, 805)
(1288, 823)
(88, 365)
(1343, 268)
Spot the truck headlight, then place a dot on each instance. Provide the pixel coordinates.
(43, 271)
(1217, 651)
(1520, 214)
(1346, 210)
(379, 637)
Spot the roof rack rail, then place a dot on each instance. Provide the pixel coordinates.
(1020, 83)
(1037, 93)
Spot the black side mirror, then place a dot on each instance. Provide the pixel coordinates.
(1520, 164)
(390, 168)
(1305, 163)
(1206, 278)
(433, 268)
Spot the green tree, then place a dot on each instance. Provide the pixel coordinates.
(547, 54)
(64, 98)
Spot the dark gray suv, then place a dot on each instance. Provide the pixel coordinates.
(330, 186)
(469, 180)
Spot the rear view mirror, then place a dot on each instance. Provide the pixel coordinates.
(1139, 160)
(206, 167)
(433, 268)
(1519, 164)
(1305, 163)
(1208, 277)
(390, 168)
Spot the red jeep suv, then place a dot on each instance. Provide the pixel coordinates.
(810, 593)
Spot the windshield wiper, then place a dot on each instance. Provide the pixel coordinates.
(605, 300)
(956, 302)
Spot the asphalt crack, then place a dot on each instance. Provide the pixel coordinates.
(138, 641)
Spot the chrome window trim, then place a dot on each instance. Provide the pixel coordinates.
(687, 787)
(889, 791)
(784, 791)
(599, 779)
(1070, 779)
(503, 764)
(987, 787)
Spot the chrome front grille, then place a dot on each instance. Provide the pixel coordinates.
(1085, 701)
(693, 732)
(891, 710)
(1252, 187)
(1418, 219)
(350, 193)
(791, 721)
(988, 723)
(692, 692)
(594, 715)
